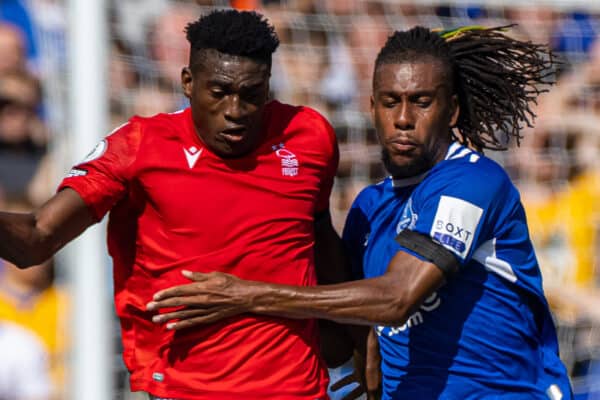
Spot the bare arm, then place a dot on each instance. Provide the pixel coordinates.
(30, 239)
(386, 300)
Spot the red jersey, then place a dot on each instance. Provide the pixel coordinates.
(175, 205)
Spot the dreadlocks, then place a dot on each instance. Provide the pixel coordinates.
(495, 77)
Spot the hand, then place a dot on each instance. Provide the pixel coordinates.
(345, 383)
(212, 297)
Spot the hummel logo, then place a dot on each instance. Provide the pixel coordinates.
(191, 155)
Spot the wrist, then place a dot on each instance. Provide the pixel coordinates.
(254, 300)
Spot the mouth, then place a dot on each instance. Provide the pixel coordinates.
(401, 145)
(234, 134)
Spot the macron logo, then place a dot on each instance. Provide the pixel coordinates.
(191, 155)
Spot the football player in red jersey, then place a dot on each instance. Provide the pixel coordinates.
(235, 180)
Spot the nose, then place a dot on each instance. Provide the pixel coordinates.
(234, 108)
(404, 117)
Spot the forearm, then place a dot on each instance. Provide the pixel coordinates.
(30, 239)
(365, 302)
(386, 300)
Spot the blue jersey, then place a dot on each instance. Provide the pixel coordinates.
(488, 332)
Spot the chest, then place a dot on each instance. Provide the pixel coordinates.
(187, 186)
(394, 212)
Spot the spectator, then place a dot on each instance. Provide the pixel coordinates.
(12, 48)
(451, 280)
(16, 13)
(30, 299)
(232, 144)
(168, 47)
(24, 365)
(22, 134)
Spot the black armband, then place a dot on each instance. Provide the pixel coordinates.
(429, 250)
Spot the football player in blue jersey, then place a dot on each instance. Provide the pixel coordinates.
(447, 275)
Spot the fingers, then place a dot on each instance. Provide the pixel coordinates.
(181, 314)
(201, 320)
(182, 300)
(181, 290)
(201, 280)
(187, 318)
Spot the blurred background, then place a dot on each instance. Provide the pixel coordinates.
(325, 61)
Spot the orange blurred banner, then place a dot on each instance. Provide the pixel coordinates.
(245, 4)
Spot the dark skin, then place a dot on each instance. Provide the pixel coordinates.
(413, 109)
(227, 96)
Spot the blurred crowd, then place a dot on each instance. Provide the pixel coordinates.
(325, 60)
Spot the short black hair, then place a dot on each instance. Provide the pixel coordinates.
(233, 32)
(495, 77)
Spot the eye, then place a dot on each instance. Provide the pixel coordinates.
(388, 102)
(217, 93)
(424, 102)
(252, 96)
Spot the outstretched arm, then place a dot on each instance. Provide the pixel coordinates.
(386, 300)
(30, 239)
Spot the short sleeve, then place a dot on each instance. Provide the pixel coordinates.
(459, 208)
(101, 179)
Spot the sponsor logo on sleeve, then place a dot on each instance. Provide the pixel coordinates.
(455, 223)
(76, 172)
(97, 152)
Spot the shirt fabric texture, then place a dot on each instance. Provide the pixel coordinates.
(487, 333)
(174, 205)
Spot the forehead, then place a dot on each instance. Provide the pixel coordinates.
(410, 76)
(217, 65)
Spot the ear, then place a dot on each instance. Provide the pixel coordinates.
(187, 81)
(454, 111)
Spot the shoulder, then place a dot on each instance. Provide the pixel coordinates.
(471, 171)
(469, 179)
(298, 118)
(138, 129)
(303, 126)
(369, 196)
(158, 122)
